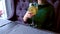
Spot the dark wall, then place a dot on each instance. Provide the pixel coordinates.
(14, 18)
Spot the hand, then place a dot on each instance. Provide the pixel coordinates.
(27, 15)
(30, 15)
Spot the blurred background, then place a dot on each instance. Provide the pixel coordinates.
(14, 10)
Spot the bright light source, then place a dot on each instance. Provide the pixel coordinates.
(3, 8)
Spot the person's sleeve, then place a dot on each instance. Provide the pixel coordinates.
(49, 19)
(43, 14)
(47, 14)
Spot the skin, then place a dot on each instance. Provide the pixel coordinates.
(40, 2)
(29, 14)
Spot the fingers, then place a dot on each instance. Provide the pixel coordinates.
(28, 15)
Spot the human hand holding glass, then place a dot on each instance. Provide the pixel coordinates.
(27, 15)
(30, 13)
